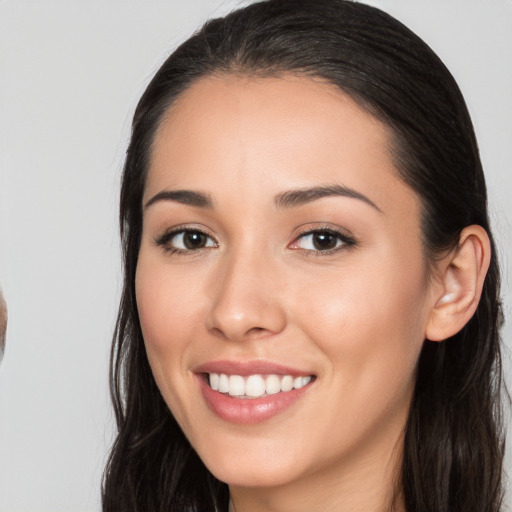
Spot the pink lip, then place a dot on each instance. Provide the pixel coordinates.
(245, 368)
(248, 410)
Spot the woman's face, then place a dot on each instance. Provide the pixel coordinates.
(281, 259)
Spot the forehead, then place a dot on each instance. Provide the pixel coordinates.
(271, 133)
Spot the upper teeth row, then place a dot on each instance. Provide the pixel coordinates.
(255, 386)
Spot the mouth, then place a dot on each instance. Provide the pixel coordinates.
(251, 392)
(256, 385)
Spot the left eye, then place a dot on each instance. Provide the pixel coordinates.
(187, 240)
(320, 241)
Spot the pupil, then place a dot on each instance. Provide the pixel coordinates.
(194, 240)
(323, 241)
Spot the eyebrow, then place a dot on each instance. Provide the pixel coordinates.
(288, 199)
(188, 197)
(302, 196)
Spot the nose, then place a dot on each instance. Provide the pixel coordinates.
(246, 302)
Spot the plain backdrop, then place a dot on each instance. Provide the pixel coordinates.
(70, 75)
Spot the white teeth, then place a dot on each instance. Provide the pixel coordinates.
(214, 381)
(255, 386)
(272, 384)
(223, 383)
(306, 380)
(236, 385)
(287, 383)
(300, 382)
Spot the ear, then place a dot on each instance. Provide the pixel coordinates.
(459, 285)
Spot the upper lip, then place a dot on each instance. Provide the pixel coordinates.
(244, 368)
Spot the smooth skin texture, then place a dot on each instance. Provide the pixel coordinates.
(258, 288)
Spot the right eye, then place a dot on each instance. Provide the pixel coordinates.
(186, 240)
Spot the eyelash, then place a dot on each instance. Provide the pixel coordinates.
(165, 239)
(345, 241)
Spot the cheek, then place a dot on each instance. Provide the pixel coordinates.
(166, 326)
(369, 320)
(168, 318)
(167, 305)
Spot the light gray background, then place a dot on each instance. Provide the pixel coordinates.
(70, 75)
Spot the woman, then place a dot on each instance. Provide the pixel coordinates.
(310, 317)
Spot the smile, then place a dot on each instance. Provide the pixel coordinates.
(255, 386)
(249, 392)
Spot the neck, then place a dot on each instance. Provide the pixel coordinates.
(367, 483)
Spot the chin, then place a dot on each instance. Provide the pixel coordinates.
(253, 466)
(254, 476)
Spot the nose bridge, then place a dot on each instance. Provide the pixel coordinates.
(246, 301)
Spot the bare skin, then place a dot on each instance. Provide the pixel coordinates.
(262, 285)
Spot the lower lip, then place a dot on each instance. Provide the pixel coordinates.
(249, 410)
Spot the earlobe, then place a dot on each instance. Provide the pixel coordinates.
(460, 284)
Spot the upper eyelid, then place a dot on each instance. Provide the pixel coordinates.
(347, 239)
(309, 229)
(185, 227)
(170, 233)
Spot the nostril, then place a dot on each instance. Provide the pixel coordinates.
(218, 332)
(256, 332)
(256, 329)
